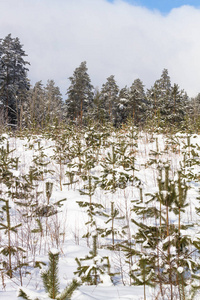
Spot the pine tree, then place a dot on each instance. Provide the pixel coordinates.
(14, 83)
(113, 230)
(160, 98)
(51, 282)
(62, 153)
(179, 103)
(9, 249)
(194, 112)
(137, 103)
(109, 176)
(50, 276)
(168, 102)
(109, 95)
(35, 107)
(163, 243)
(80, 94)
(54, 104)
(122, 111)
(142, 273)
(91, 267)
(99, 111)
(44, 106)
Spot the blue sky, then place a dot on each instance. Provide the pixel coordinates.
(164, 6)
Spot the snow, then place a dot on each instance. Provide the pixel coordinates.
(105, 279)
(63, 232)
(180, 270)
(164, 194)
(54, 251)
(110, 293)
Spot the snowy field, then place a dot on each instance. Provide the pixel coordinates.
(50, 181)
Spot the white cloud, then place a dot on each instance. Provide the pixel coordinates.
(120, 39)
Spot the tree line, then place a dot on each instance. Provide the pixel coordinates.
(24, 106)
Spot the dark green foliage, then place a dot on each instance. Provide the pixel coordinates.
(137, 103)
(122, 110)
(168, 102)
(143, 272)
(109, 179)
(163, 246)
(53, 104)
(92, 266)
(93, 209)
(44, 106)
(14, 83)
(51, 282)
(7, 164)
(113, 230)
(80, 94)
(89, 186)
(50, 276)
(109, 95)
(35, 108)
(8, 180)
(62, 153)
(195, 287)
(9, 250)
(69, 290)
(163, 105)
(24, 295)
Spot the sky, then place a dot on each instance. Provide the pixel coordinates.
(164, 6)
(129, 39)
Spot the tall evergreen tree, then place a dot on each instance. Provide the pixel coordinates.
(179, 104)
(80, 94)
(99, 112)
(35, 107)
(54, 104)
(109, 94)
(137, 102)
(168, 103)
(122, 106)
(44, 105)
(14, 83)
(194, 111)
(159, 96)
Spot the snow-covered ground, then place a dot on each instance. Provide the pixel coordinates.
(65, 229)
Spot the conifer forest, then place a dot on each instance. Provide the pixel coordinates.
(99, 192)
